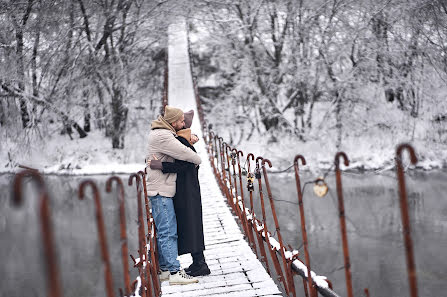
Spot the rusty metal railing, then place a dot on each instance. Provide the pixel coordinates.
(220, 161)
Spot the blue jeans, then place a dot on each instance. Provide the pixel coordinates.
(166, 225)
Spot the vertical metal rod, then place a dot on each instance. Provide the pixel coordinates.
(232, 203)
(267, 237)
(222, 161)
(289, 278)
(152, 243)
(252, 211)
(406, 229)
(101, 233)
(141, 236)
(264, 217)
(341, 209)
(222, 167)
(234, 177)
(244, 216)
(123, 233)
(303, 221)
(52, 279)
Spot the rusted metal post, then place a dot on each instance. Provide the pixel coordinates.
(406, 230)
(222, 161)
(234, 156)
(123, 233)
(251, 224)
(211, 149)
(289, 277)
(151, 269)
(244, 216)
(222, 167)
(267, 237)
(341, 209)
(303, 221)
(141, 236)
(264, 218)
(233, 205)
(52, 279)
(101, 233)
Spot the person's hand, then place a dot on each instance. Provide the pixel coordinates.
(153, 158)
(194, 138)
(155, 164)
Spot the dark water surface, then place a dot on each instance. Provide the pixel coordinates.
(374, 228)
(23, 269)
(373, 223)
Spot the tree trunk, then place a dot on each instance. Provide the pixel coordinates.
(21, 77)
(34, 71)
(87, 116)
(119, 118)
(338, 119)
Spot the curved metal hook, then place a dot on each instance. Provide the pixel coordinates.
(92, 184)
(250, 155)
(52, 280)
(226, 146)
(338, 156)
(132, 177)
(142, 176)
(410, 149)
(240, 153)
(299, 157)
(118, 182)
(258, 159)
(17, 194)
(266, 161)
(123, 232)
(101, 232)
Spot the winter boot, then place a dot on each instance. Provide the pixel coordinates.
(200, 270)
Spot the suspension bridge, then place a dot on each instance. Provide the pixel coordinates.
(244, 257)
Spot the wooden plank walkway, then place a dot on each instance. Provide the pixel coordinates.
(235, 270)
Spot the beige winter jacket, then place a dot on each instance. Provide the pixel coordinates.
(164, 145)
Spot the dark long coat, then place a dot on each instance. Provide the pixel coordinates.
(187, 204)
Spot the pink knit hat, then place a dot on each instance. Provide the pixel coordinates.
(188, 118)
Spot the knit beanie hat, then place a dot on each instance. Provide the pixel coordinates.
(188, 118)
(172, 114)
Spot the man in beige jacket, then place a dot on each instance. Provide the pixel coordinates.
(164, 146)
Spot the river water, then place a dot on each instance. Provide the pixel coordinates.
(373, 223)
(22, 270)
(374, 230)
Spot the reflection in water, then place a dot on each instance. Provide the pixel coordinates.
(373, 223)
(374, 230)
(75, 230)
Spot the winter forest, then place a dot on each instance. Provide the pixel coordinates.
(81, 80)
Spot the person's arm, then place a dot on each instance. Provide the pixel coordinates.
(172, 147)
(171, 167)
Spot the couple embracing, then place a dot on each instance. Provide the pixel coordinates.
(174, 192)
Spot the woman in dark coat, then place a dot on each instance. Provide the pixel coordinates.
(187, 203)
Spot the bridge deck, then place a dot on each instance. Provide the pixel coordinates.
(235, 270)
